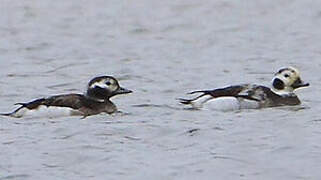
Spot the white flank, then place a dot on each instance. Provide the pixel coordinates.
(249, 104)
(199, 102)
(228, 104)
(44, 111)
(223, 104)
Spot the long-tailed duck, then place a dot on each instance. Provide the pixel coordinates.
(96, 100)
(252, 96)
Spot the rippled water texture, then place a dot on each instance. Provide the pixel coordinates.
(160, 50)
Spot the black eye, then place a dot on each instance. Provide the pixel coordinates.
(108, 83)
(286, 75)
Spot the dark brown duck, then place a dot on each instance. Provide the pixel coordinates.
(96, 100)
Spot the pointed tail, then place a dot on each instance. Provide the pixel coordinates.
(6, 114)
(185, 101)
(15, 112)
(190, 101)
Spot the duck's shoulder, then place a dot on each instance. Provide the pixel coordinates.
(74, 101)
(253, 92)
(257, 89)
(271, 98)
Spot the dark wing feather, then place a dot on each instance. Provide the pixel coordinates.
(189, 101)
(227, 91)
(33, 104)
(74, 101)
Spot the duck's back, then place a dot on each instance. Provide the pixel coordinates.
(245, 96)
(63, 105)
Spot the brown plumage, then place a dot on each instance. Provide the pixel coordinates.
(95, 101)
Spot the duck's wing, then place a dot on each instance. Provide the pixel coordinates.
(238, 91)
(74, 101)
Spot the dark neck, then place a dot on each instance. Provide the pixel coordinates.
(98, 94)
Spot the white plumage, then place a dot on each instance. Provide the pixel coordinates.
(44, 111)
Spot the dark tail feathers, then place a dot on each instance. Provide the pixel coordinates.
(22, 104)
(200, 91)
(12, 114)
(185, 101)
(6, 114)
(189, 101)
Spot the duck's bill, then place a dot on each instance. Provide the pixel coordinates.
(122, 90)
(299, 83)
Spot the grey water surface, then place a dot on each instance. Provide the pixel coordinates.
(160, 50)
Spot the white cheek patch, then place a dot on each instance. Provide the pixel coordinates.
(290, 80)
(99, 84)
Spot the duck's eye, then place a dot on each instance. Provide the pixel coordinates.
(286, 75)
(108, 83)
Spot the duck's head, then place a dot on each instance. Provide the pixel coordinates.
(104, 87)
(286, 80)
